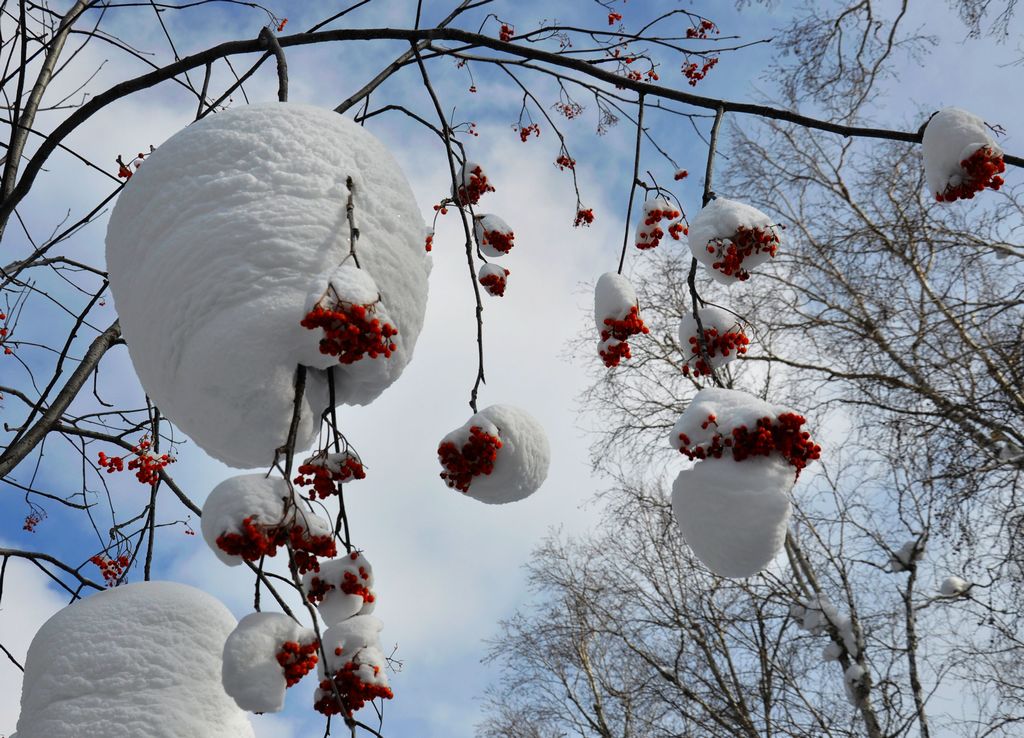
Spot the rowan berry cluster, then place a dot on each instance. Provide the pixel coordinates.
(351, 331)
(680, 174)
(476, 457)
(780, 436)
(584, 217)
(146, 464)
(33, 519)
(716, 345)
(257, 540)
(980, 170)
(352, 583)
(495, 283)
(564, 161)
(507, 32)
(429, 242)
(614, 18)
(124, 171)
(111, 569)
(695, 72)
(746, 241)
(324, 471)
(649, 233)
(701, 30)
(525, 131)
(353, 690)
(499, 240)
(478, 185)
(569, 109)
(297, 660)
(621, 330)
(613, 351)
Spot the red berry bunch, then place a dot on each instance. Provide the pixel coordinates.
(695, 73)
(649, 233)
(353, 690)
(612, 352)
(746, 241)
(495, 283)
(429, 242)
(716, 344)
(146, 464)
(525, 131)
(33, 519)
(351, 331)
(111, 463)
(476, 457)
(980, 170)
(568, 109)
(781, 435)
(507, 32)
(701, 30)
(297, 660)
(499, 240)
(584, 217)
(470, 192)
(680, 174)
(257, 540)
(323, 471)
(353, 582)
(614, 18)
(564, 162)
(111, 569)
(631, 325)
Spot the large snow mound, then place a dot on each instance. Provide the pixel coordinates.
(137, 660)
(226, 237)
(733, 515)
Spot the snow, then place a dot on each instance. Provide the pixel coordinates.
(138, 660)
(218, 245)
(908, 553)
(719, 220)
(853, 679)
(338, 605)
(733, 515)
(493, 234)
(252, 675)
(522, 461)
(954, 586)
(831, 652)
(354, 641)
(614, 297)
(951, 136)
(258, 497)
(712, 319)
(731, 408)
(494, 279)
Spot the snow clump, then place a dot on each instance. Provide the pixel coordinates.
(267, 653)
(500, 455)
(139, 660)
(617, 317)
(355, 665)
(724, 340)
(473, 184)
(342, 588)
(960, 157)
(494, 279)
(250, 516)
(953, 586)
(494, 235)
(730, 239)
(904, 559)
(649, 231)
(226, 238)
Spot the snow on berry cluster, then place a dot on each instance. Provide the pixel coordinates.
(617, 317)
(494, 235)
(342, 588)
(494, 279)
(251, 516)
(649, 231)
(267, 653)
(724, 340)
(960, 157)
(227, 237)
(732, 508)
(501, 454)
(354, 669)
(473, 184)
(730, 239)
(324, 470)
(146, 464)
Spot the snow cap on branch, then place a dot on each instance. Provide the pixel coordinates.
(342, 588)
(501, 454)
(494, 279)
(220, 244)
(494, 235)
(954, 586)
(724, 339)
(355, 663)
(617, 317)
(960, 157)
(264, 655)
(731, 238)
(139, 660)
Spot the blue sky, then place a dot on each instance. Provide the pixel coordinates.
(448, 569)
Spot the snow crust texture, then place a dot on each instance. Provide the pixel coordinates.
(522, 460)
(951, 137)
(252, 674)
(138, 660)
(717, 225)
(222, 241)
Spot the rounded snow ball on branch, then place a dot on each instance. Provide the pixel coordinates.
(250, 516)
(264, 655)
(140, 660)
(227, 237)
(954, 586)
(355, 665)
(730, 238)
(501, 454)
(342, 588)
(617, 317)
(494, 279)
(473, 184)
(960, 157)
(494, 235)
(724, 340)
(649, 231)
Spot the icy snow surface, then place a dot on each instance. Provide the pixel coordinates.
(734, 514)
(138, 660)
(719, 220)
(522, 463)
(252, 674)
(951, 136)
(259, 497)
(221, 242)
